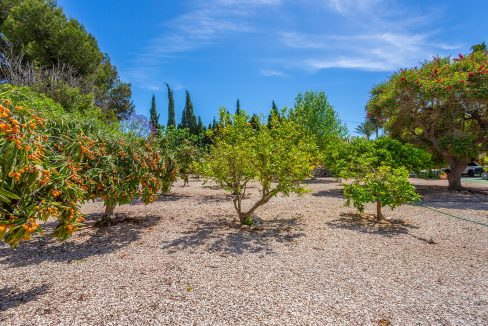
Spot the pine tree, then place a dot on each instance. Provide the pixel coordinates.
(238, 107)
(154, 119)
(214, 124)
(171, 107)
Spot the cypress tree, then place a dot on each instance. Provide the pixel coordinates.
(254, 121)
(188, 115)
(274, 112)
(200, 127)
(238, 107)
(171, 107)
(154, 116)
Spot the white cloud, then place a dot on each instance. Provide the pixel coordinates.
(271, 73)
(376, 38)
(346, 6)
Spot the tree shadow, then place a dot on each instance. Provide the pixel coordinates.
(332, 193)
(369, 225)
(320, 180)
(227, 237)
(10, 298)
(210, 199)
(90, 241)
(171, 197)
(439, 197)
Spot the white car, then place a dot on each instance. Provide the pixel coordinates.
(473, 168)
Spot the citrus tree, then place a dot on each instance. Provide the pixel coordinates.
(442, 105)
(384, 186)
(277, 158)
(379, 170)
(36, 181)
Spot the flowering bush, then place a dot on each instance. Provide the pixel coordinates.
(36, 181)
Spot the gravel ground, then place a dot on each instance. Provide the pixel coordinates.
(182, 260)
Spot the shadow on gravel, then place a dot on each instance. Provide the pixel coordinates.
(171, 197)
(10, 297)
(439, 197)
(332, 193)
(226, 237)
(320, 181)
(86, 243)
(367, 224)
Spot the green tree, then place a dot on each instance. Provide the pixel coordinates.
(314, 112)
(385, 187)
(154, 117)
(255, 122)
(277, 158)
(238, 107)
(275, 113)
(200, 127)
(171, 107)
(365, 129)
(39, 32)
(441, 105)
(188, 119)
(379, 170)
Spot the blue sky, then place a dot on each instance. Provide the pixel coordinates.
(264, 50)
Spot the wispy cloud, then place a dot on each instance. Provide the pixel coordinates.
(377, 37)
(272, 73)
(204, 24)
(346, 6)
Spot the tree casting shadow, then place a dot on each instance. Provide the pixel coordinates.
(84, 244)
(226, 237)
(10, 298)
(369, 225)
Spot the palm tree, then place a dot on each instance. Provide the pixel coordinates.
(366, 129)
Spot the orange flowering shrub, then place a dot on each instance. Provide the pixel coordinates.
(36, 182)
(121, 170)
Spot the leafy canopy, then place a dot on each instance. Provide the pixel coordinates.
(277, 158)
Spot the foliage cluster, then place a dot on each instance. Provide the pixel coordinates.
(441, 105)
(278, 158)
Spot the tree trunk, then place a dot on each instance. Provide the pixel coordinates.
(246, 219)
(109, 210)
(454, 177)
(379, 215)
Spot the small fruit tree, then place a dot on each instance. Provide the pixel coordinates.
(379, 170)
(36, 182)
(277, 158)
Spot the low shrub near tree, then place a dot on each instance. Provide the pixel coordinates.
(278, 158)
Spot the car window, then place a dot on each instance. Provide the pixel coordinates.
(472, 164)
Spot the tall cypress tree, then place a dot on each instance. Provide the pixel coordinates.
(171, 107)
(189, 116)
(154, 116)
(200, 127)
(238, 107)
